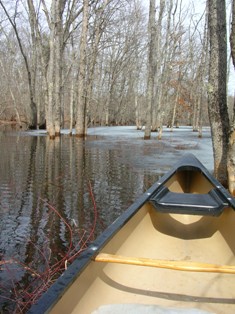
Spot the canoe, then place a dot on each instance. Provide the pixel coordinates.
(172, 251)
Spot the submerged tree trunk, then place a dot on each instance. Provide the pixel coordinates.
(150, 82)
(81, 106)
(54, 74)
(217, 89)
(50, 110)
(163, 95)
(137, 114)
(58, 65)
(41, 64)
(158, 53)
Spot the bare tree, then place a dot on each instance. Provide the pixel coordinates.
(53, 116)
(163, 96)
(151, 68)
(81, 106)
(198, 91)
(217, 87)
(59, 23)
(32, 111)
(99, 19)
(159, 55)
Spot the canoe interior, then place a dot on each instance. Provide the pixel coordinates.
(189, 181)
(156, 235)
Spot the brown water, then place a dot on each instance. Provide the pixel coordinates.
(48, 188)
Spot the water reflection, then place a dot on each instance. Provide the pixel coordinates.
(44, 182)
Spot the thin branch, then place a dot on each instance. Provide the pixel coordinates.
(13, 23)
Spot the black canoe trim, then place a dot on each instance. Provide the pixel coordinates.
(56, 291)
(211, 204)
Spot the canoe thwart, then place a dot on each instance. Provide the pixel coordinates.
(168, 264)
(211, 204)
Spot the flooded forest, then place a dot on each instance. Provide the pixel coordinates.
(57, 196)
(84, 84)
(76, 68)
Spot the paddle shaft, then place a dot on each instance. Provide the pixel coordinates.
(174, 265)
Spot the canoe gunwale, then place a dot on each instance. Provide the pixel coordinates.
(56, 291)
(62, 284)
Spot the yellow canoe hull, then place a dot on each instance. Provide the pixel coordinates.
(146, 249)
(157, 236)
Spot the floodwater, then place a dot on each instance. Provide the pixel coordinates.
(56, 196)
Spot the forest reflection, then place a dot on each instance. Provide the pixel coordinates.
(38, 174)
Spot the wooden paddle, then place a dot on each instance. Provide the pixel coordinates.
(175, 265)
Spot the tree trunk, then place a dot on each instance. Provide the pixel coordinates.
(166, 54)
(137, 114)
(217, 87)
(54, 74)
(231, 147)
(58, 64)
(98, 30)
(231, 163)
(150, 82)
(81, 106)
(157, 65)
(41, 64)
(50, 110)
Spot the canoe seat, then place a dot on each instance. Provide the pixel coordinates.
(211, 204)
(144, 309)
